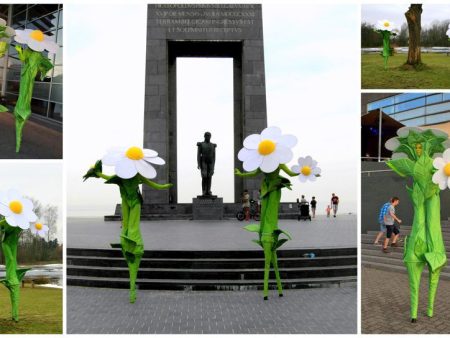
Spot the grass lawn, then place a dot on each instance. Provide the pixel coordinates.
(435, 76)
(40, 311)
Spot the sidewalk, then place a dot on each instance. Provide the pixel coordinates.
(321, 232)
(38, 141)
(328, 310)
(385, 304)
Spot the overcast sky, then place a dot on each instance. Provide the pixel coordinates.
(41, 181)
(312, 92)
(396, 13)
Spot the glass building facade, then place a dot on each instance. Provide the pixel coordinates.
(415, 109)
(47, 101)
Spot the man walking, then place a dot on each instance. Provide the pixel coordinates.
(313, 206)
(384, 209)
(334, 203)
(389, 220)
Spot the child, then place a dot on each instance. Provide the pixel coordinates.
(328, 210)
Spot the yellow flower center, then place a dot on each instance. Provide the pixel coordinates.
(447, 169)
(386, 24)
(16, 207)
(38, 226)
(306, 170)
(135, 153)
(37, 35)
(266, 147)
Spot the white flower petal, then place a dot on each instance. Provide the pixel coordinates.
(270, 163)
(438, 163)
(252, 141)
(308, 161)
(301, 161)
(145, 169)
(125, 168)
(51, 46)
(302, 178)
(312, 178)
(4, 210)
(446, 155)
(438, 132)
(271, 133)
(155, 160)
(245, 153)
(289, 141)
(112, 157)
(30, 216)
(295, 168)
(35, 45)
(396, 156)
(313, 164)
(33, 230)
(27, 204)
(11, 220)
(253, 162)
(439, 178)
(316, 171)
(20, 37)
(284, 153)
(150, 153)
(392, 144)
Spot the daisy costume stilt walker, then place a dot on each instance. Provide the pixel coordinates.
(17, 213)
(413, 152)
(386, 29)
(33, 62)
(267, 154)
(133, 166)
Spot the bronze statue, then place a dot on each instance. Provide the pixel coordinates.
(206, 158)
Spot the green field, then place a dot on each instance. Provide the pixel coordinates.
(435, 75)
(40, 311)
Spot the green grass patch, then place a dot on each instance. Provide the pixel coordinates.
(434, 74)
(40, 311)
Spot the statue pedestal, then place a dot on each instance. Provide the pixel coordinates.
(207, 208)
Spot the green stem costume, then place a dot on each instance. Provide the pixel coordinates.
(33, 62)
(9, 237)
(130, 238)
(386, 45)
(424, 245)
(268, 228)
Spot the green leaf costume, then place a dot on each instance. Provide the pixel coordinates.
(9, 238)
(267, 230)
(130, 238)
(424, 245)
(32, 63)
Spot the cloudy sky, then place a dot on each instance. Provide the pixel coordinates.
(312, 92)
(41, 181)
(396, 13)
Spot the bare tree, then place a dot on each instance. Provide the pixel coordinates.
(51, 216)
(413, 17)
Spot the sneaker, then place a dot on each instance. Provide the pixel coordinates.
(385, 250)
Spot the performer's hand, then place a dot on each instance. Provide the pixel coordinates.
(399, 221)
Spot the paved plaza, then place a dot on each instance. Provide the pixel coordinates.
(385, 304)
(321, 232)
(327, 310)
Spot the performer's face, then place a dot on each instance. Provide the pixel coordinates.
(419, 149)
(207, 137)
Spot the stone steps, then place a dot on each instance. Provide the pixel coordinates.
(211, 270)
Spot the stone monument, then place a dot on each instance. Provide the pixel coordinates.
(200, 30)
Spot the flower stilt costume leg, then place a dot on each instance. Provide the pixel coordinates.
(132, 168)
(413, 150)
(18, 213)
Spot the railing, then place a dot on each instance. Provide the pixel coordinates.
(404, 50)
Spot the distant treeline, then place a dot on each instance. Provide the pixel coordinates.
(36, 250)
(432, 36)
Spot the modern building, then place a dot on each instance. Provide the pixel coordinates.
(382, 114)
(47, 101)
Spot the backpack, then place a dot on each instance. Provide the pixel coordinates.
(383, 211)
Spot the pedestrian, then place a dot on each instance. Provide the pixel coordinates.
(257, 198)
(313, 206)
(303, 200)
(334, 203)
(246, 204)
(384, 209)
(328, 210)
(389, 220)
